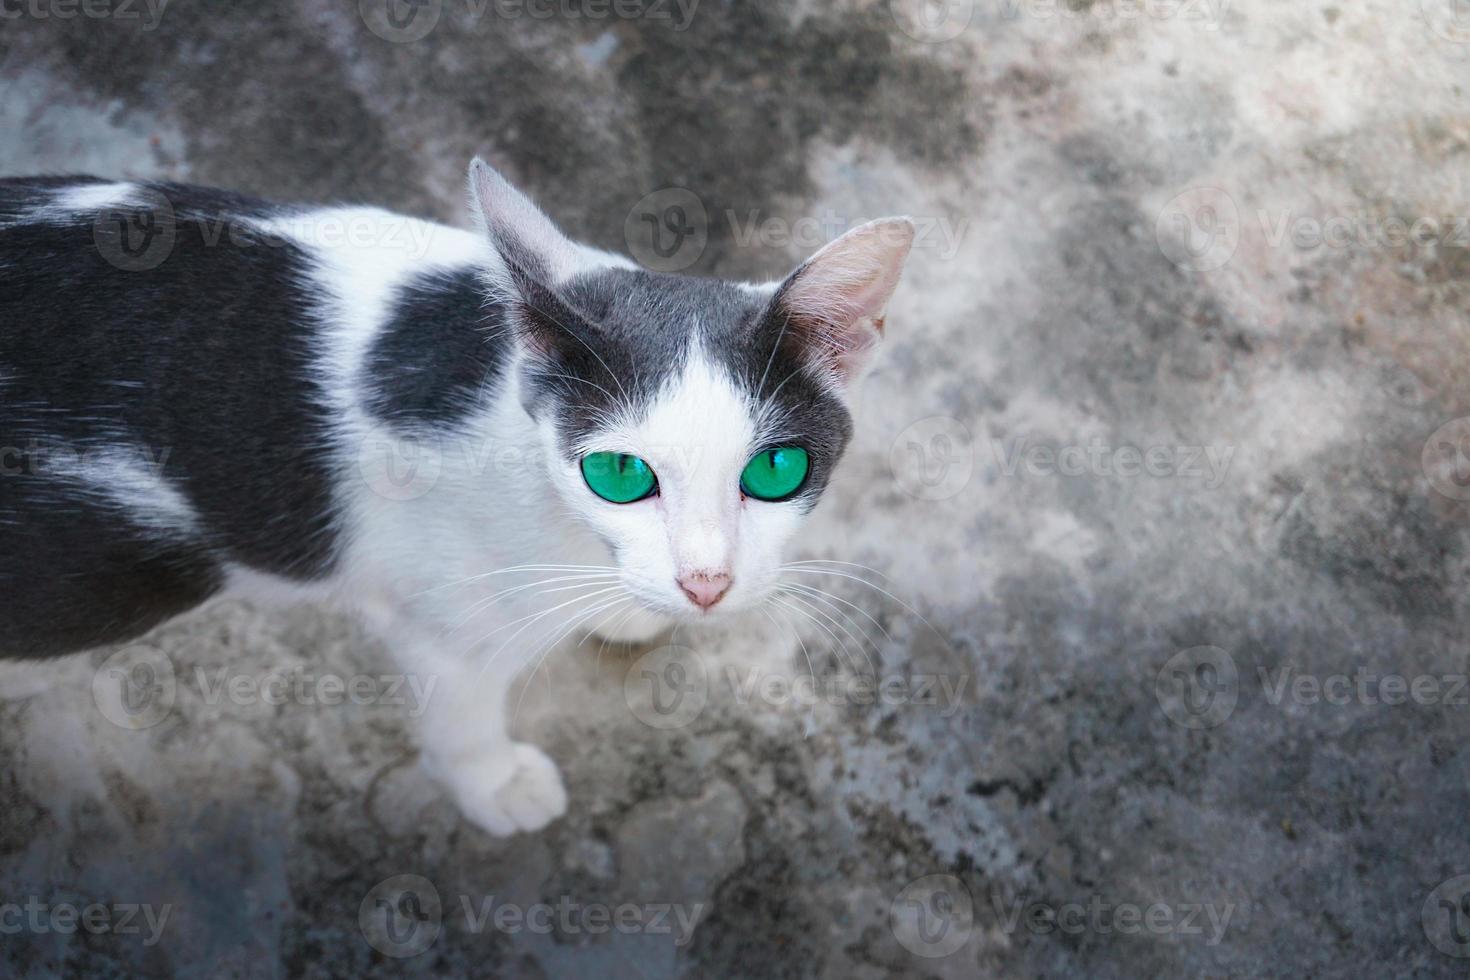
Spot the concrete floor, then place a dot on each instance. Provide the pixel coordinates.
(1153, 469)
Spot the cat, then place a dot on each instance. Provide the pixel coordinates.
(483, 440)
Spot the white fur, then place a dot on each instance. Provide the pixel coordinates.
(92, 197)
(87, 199)
(128, 478)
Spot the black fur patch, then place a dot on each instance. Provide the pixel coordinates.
(440, 353)
(74, 575)
(204, 362)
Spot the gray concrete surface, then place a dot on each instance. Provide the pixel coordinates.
(1170, 228)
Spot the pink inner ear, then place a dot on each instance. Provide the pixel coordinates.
(839, 296)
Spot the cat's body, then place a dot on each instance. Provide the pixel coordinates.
(233, 397)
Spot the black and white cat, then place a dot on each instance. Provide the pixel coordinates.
(214, 409)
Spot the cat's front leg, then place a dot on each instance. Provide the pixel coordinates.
(500, 785)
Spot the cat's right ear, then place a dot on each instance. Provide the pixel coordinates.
(528, 243)
(534, 258)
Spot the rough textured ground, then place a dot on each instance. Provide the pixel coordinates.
(1098, 796)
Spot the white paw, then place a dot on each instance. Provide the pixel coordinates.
(513, 788)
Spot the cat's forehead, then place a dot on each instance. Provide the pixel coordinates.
(662, 312)
(701, 422)
(687, 356)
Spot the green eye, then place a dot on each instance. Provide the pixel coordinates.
(775, 474)
(618, 477)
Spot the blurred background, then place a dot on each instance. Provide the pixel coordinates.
(1157, 667)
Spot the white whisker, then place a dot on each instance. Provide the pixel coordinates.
(546, 649)
(586, 578)
(793, 567)
(829, 618)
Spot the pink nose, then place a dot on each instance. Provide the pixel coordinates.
(704, 589)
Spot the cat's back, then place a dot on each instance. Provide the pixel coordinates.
(162, 305)
(177, 365)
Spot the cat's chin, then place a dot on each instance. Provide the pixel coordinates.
(640, 627)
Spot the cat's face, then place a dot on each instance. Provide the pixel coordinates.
(691, 423)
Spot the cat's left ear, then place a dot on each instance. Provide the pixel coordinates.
(834, 304)
(530, 245)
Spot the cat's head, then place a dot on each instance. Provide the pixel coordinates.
(692, 423)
